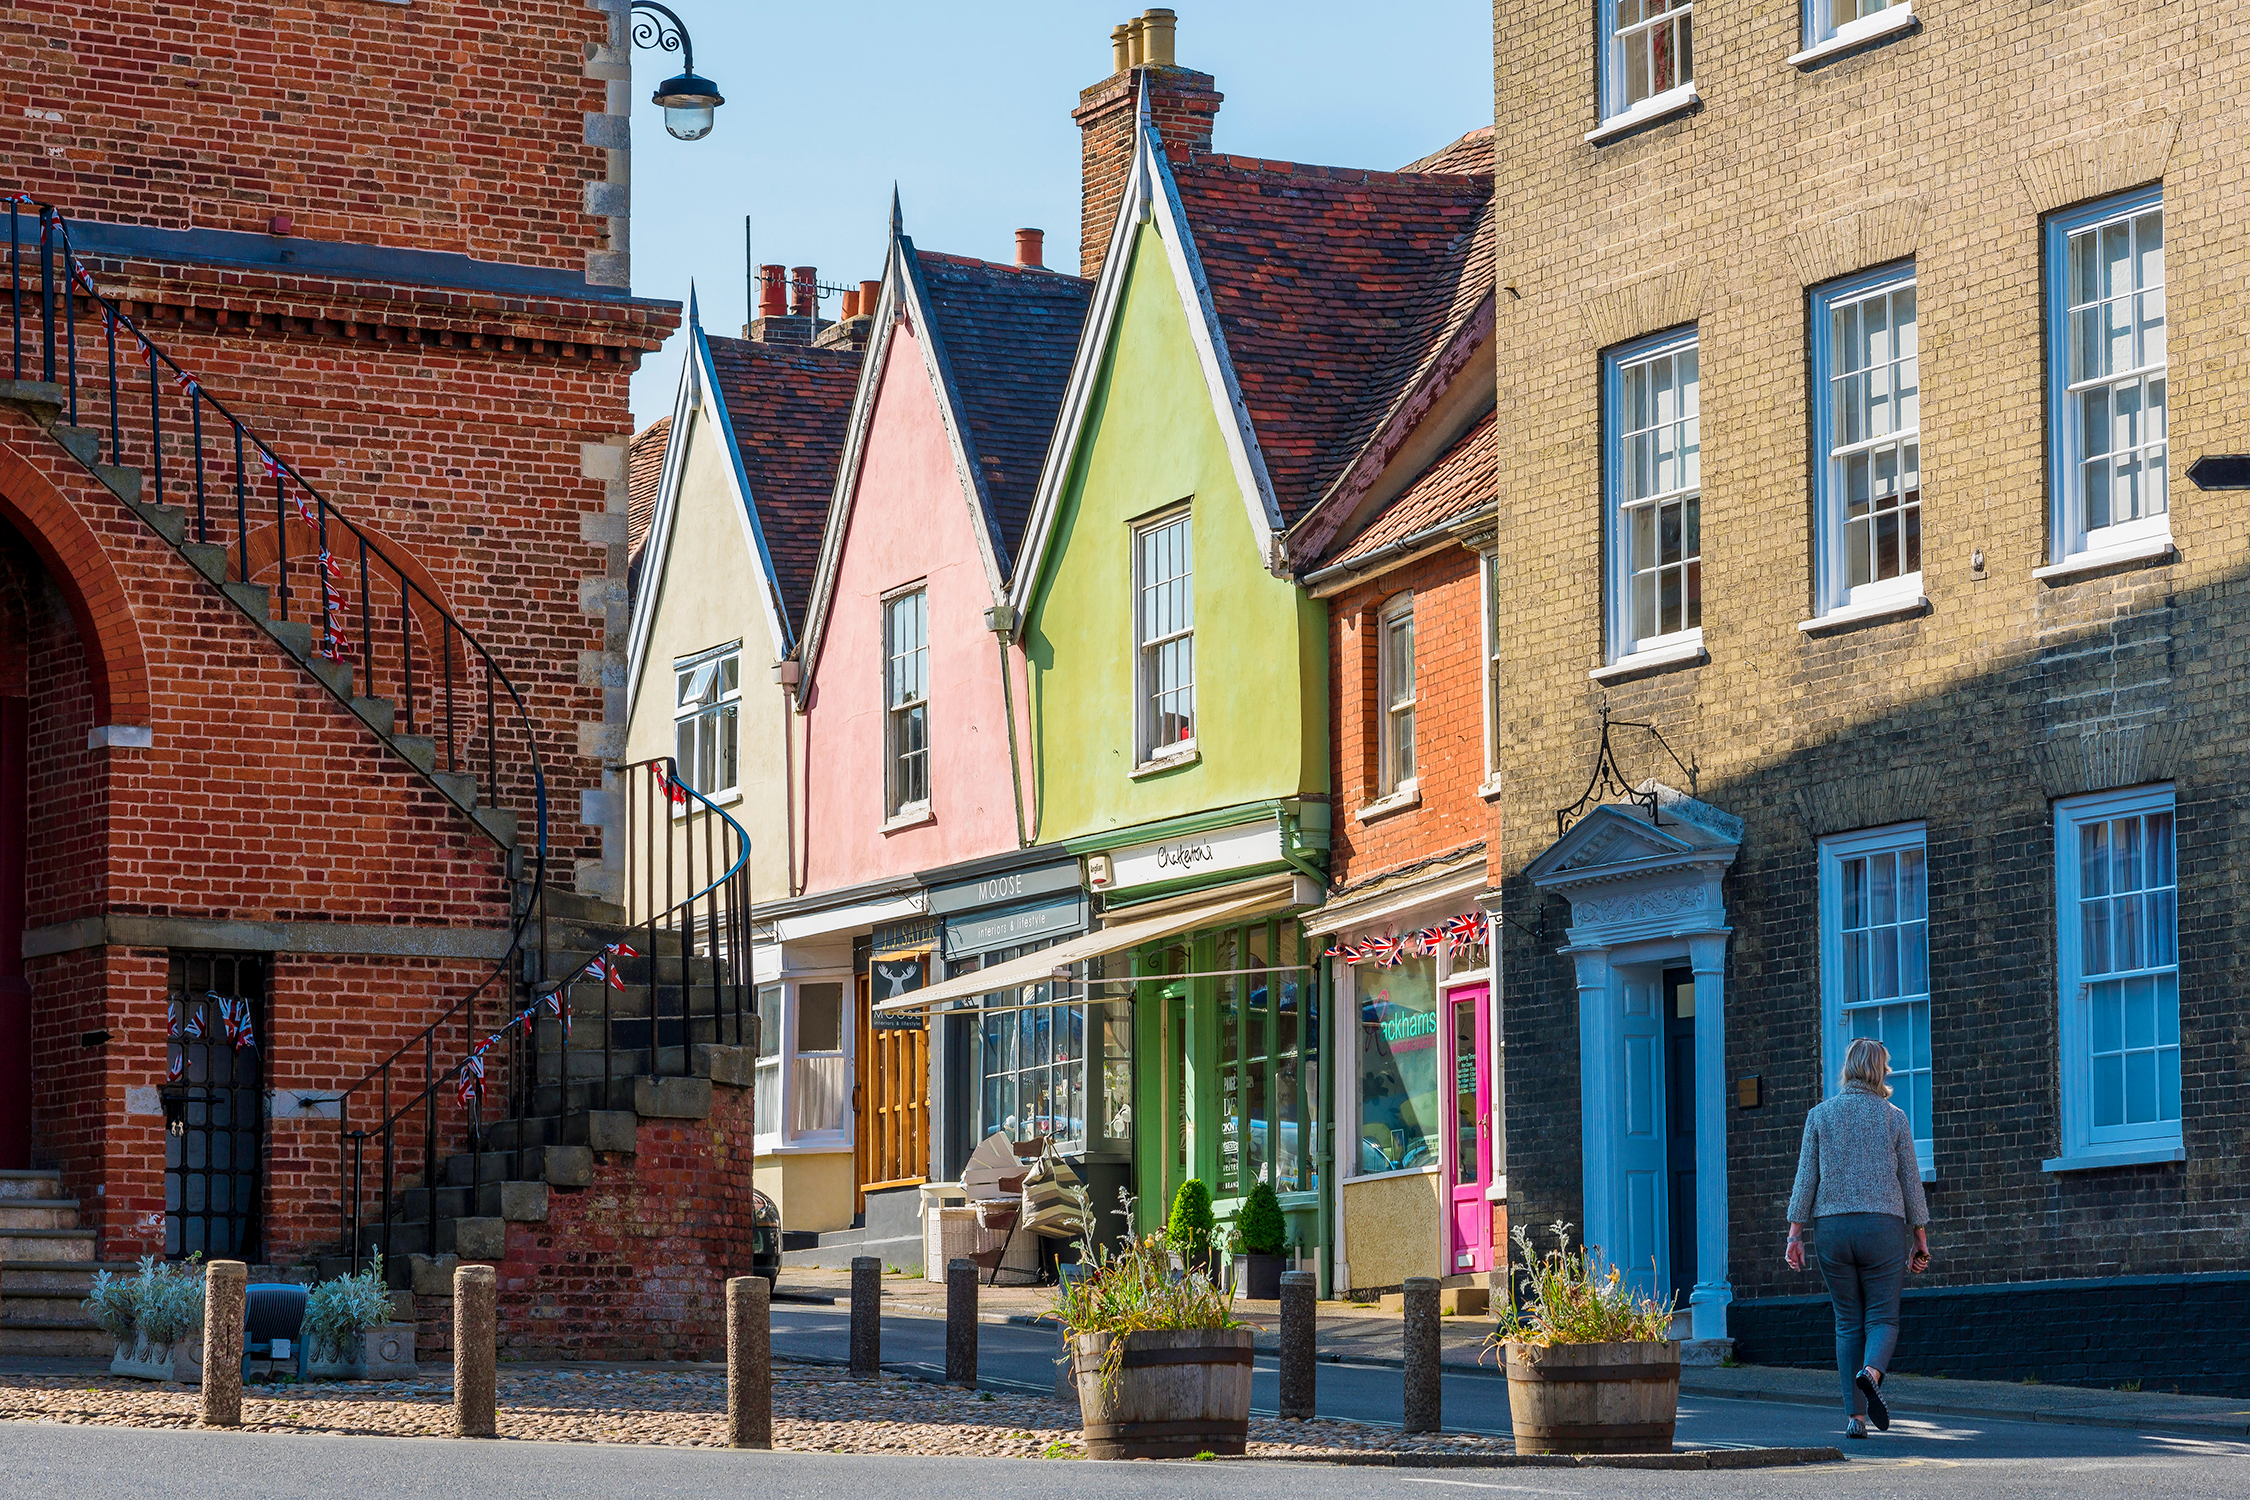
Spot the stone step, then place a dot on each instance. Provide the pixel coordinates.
(38, 1213)
(208, 558)
(564, 1166)
(60, 1277)
(498, 823)
(41, 400)
(44, 1306)
(58, 1343)
(379, 714)
(459, 787)
(293, 636)
(578, 907)
(337, 674)
(31, 1182)
(81, 443)
(598, 1129)
(120, 481)
(46, 1244)
(168, 521)
(253, 599)
(517, 1202)
(421, 749)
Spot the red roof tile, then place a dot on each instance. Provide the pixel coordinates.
(788, 405)
(644, 473)
(1465, 477)
(1335, 288)
(1473, 153)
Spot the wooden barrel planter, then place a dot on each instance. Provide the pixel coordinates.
(1594, 1398)
(1176, 1393)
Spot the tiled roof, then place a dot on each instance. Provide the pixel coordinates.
(1465, 477)
(1335, 288)
(789, 405)
(644, 474)
(1472, 153)
(1007, 335)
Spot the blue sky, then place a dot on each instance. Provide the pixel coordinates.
(967, 108)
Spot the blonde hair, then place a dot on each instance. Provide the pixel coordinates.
(1867, 1062)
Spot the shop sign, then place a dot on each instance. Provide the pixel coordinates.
(1011, 888)
(897, 939)
(893, 979)
(984, 931)
(1220, 850)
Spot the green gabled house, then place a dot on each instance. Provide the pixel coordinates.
(1256, 330)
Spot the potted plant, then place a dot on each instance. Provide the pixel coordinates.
(1592, 1367)
(1262, 1233)
(349, 1334)
(1189, 1228)
(1162, 1365)
(155, 1318)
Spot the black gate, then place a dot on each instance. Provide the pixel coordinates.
(215, 1017)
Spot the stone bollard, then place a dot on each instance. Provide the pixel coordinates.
(961, 1322)
(476, 1338)
(1423, 1399)
(867, 1318)
(1298, 1305)
(749, 1363)
(224, 1288)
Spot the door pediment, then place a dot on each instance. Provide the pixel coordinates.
(1629, 874)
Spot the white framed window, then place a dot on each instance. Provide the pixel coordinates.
(1654, 483)
(906, 703)
(1394, 635)
(1647, 56)
(1835, 25)
(705, 714)
(766, 1095)
(2118, 965)
(1164, 636)
(2106, 363)
(1489, 578)
(1875, 962)
(1867, 420)
(820, 1065)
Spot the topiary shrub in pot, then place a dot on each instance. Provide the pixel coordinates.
(1189, 1228)
(1263, 1234)
(1592, 1367)
(1162, 1365)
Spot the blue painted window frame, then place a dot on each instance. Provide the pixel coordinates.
(1835, 1033)
(1831, 589)
(2066, 531)
(1617, 558)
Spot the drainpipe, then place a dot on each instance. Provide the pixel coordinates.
(788, 674)
(1001, 621)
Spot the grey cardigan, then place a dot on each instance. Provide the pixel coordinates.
(1858, 1158)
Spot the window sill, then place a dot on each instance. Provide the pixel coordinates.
(1845, 617)
(1407, 796)
(1647, 112)
(2101, 559)
(1177, 760)
(1858, 34)
(727, 798)
(1432, 1170)
(910, 817)
(1680, 654)
(2127, 1154)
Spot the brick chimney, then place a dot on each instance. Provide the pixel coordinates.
(1182, 103)
(777, 321)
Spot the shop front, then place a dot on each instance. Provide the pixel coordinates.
(1423, 1190)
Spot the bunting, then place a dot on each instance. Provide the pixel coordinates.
(602, 968)
(1458, 935)
(235, 1021)
(672, 789)
(471, 1085)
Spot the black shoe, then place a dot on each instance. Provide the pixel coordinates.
(1876, 1408)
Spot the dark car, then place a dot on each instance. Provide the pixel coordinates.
(765, 1238)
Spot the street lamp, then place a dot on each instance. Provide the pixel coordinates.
(687, 101)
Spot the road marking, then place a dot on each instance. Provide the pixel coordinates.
(1469, 1484)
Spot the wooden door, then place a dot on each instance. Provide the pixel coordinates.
(1639, 1127)
(891, 1134)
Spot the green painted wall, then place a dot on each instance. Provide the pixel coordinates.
(1152, 439)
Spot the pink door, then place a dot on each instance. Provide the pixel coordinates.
(1469, 1144)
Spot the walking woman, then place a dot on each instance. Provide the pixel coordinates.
(1860, 1187)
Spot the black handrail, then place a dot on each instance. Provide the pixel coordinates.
(418, 609)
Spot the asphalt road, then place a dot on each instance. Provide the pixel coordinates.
(1015, 1357)
(38, 1462)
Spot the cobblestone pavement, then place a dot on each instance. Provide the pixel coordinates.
(815, 1411)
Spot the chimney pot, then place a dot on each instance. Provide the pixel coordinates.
(1031, 244)
(870, 296)
(850, 307)
(1157, 28)
(1120, 47)
(1136, 41)
(773, 297)
(804, 291)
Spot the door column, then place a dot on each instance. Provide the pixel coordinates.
(1597, 1096)
(1712, 1289)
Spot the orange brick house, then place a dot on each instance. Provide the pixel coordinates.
(313, 524)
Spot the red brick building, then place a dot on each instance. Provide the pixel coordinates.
(364, 270)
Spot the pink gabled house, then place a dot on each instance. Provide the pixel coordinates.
(909, 803)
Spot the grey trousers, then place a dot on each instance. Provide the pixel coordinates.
(1863, 1260)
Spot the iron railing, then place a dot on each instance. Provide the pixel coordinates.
(263, 524)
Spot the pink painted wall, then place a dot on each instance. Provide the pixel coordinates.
(909, 521)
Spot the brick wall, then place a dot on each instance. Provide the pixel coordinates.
(1448, 716)
(1182, 106)
(2008, 693)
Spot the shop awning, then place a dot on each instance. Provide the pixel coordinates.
(1039, 967)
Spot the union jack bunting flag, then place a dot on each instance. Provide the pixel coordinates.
(1341, 950)
(192, 1027)
(235, 1022)
(1430, 939)
(556, 1002)
(672, 790)
(185, 382)
(1386, 952)
(472, 1078)
(269, 463)
(1465, 931)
